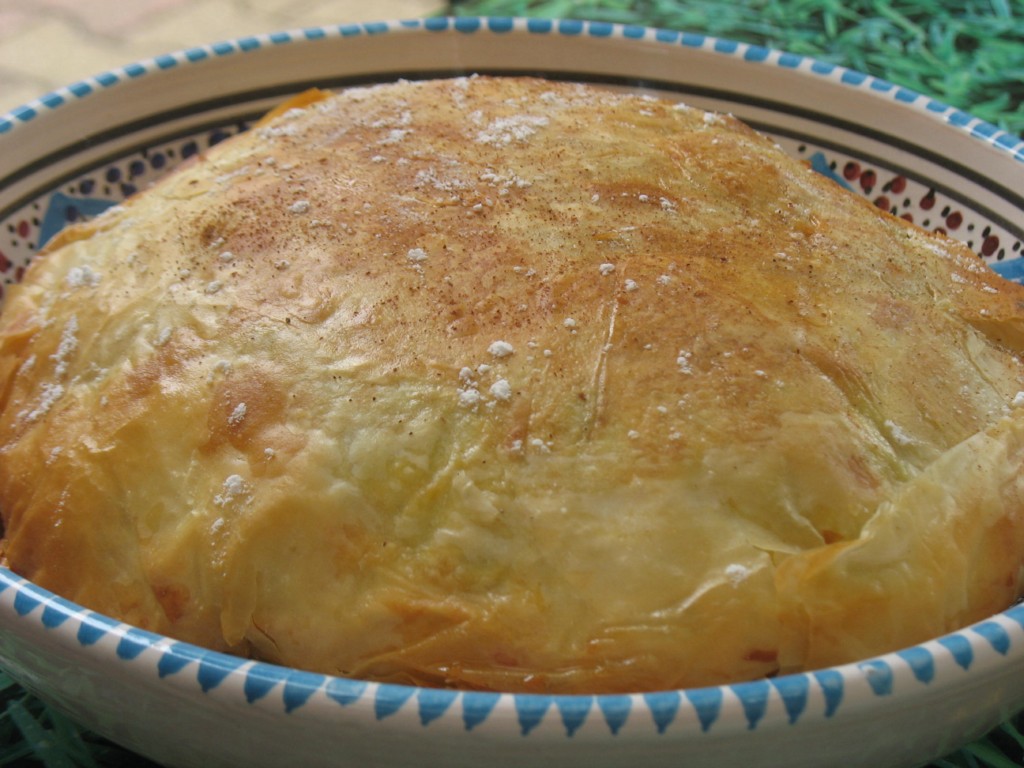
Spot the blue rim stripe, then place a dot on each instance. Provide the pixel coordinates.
(567, 27)
(707, 704)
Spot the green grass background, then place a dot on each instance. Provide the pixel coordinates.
(967, 53)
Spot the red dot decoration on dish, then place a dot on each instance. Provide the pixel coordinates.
(22, 230)
(912, 201)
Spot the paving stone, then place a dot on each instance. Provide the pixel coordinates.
(45, 44)
(53, 53)
(332, 12)
(15, 22)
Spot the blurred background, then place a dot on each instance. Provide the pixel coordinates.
(967, 53)
(45, 44)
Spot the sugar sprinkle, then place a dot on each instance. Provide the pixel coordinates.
(501, 349)
(237, 414)
(501, 390)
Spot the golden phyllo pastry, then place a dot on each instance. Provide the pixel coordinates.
(515, 385)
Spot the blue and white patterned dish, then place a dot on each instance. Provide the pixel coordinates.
(74, 152)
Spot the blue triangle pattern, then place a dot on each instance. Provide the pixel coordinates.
(214, 668)
(960, 649)
(530, 709)
(832, 688)
(663, 706)
(53, 616)
(94, 627)
(299, 686)
(754, 698)
(879, 676)
(477, 707)
(574, 711)
(616, 710)
(58, 610)
(708, 704)
(176, 658)
(434, 702)
(1011, 270)
(390, 699)
(920, 661)
(821, 164)
(62, 208)
(171, 665)
(261, 679)
(25, 602)
(134, 642)
(1016, 613)
(345, 691)
(793, 689)
(996, 635)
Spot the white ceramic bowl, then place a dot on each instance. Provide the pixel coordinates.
(78, 150)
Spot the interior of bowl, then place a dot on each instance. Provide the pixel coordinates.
(962, 177)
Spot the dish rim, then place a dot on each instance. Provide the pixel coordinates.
(985, 132)
(739, 706)
(879, 676)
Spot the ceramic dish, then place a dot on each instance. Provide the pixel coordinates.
(76, 151)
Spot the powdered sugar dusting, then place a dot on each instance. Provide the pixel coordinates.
(501, 390)
(469, 397)
(505, 130)
(441, 182)
(683, 361)
(898, 434)
(234, 488)
(68, 343)
(504, 181)
(736, 573)
(51, 393)
(395, 136)
(237, 414)
(501, 349)
(164, 336)
(84, 276)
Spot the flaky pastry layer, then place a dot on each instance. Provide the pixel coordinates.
(514, 385)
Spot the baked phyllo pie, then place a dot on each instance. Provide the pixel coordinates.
(508, 384)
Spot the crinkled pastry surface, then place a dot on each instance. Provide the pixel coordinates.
(514, 385)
